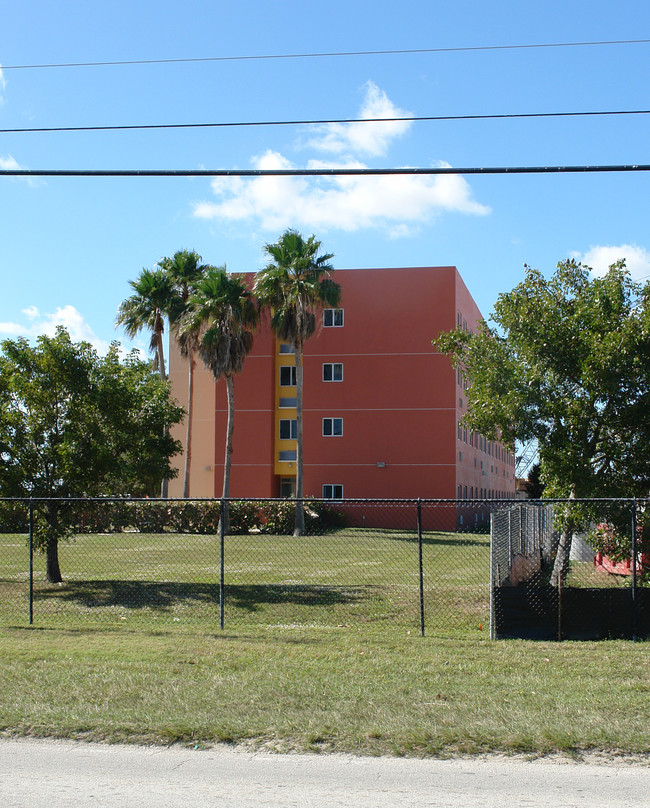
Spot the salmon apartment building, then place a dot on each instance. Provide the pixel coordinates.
(382, 408)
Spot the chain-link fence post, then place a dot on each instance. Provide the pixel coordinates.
(634, 561)
(222, 547)
(559, 608)
(492, 574)
(421, 570)
(31, 561)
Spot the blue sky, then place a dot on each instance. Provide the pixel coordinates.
(69, 246)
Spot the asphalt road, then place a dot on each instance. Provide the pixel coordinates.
(61, 773)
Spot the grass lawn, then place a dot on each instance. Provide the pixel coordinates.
(328, 689)
(321, 650)
(348, 577)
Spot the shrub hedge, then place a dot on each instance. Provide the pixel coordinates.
(151, 516)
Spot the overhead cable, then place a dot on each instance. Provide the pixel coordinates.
(328, 54)
(319, 172)
(323, 121)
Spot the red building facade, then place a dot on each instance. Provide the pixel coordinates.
(382, 408)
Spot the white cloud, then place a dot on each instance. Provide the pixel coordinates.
(397, 204)
(66, 316)
(8, 162)
(346, 203)
(372, 139)
(600, 258)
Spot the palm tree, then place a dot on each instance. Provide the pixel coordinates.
(185, 269)
(147, 308)
(295, 285)
(220, 321)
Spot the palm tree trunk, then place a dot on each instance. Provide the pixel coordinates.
(164, 486)
(299, 526)
(230, 389)
(188, 434)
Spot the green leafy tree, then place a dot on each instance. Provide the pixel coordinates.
(567, 362)
(294, 286)
(220, 321)
(74, 424)
(153, 300)
(185, 270)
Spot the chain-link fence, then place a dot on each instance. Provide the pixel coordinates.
(408, 565)
(571, 569)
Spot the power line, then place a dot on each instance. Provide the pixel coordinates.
(328, 54)
(317, 122)
(319, 172)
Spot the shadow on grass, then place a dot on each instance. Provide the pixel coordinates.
(122, 630)
(163, 596)
(430, 537)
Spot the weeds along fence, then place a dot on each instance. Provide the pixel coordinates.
(605, 589)
(445, 567)
(362, 564)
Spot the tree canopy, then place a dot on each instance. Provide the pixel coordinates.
(75, 424)
(566, 361)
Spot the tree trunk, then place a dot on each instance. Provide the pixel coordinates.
(164, 486)
(299, 526)
(230, 388)
(561, 564)
(188, 434)
(52, 568)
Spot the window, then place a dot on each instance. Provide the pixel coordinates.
(288, 403)
(332, 491)
(284, 348)
(332, 427)
(287, 376)
(288, 428)
(333, 372)
(332, 318)
(289, 454)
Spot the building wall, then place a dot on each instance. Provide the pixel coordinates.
(399, 400)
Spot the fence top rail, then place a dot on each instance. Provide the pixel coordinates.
(338, 502)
